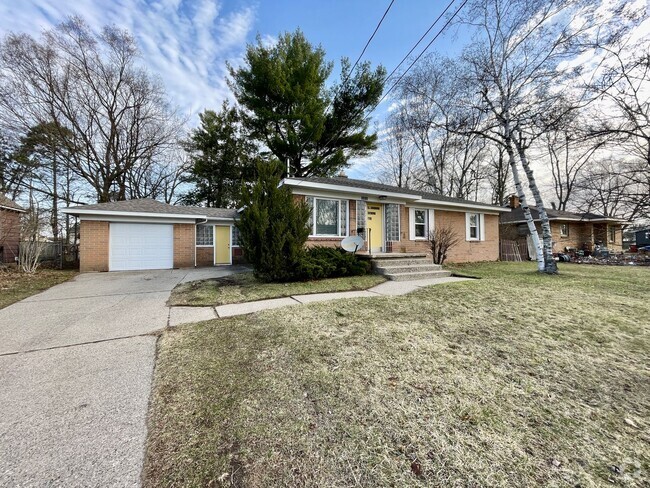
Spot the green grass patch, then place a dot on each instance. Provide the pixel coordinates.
(244, 287)
(517, 379)
(15, 286)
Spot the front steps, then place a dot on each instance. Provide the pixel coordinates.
(407, 267)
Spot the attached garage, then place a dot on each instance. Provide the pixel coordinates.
(145, 234)
(138, 246)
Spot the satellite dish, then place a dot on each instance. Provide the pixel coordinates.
(352, 243)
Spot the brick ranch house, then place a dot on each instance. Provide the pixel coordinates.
(569, 230)
(10, 214)
(146, 234)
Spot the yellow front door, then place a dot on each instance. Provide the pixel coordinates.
(374, 225)
(222, 244)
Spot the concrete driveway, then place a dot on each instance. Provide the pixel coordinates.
(76, 364)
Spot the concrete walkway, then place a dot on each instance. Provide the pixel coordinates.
(76, 364)
(183, 315)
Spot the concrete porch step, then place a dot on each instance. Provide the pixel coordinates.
(407, 268)
(401, 262)
(418, 275)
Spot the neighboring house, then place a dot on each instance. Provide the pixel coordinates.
(642, 237)
(10, 213)
(569, 230)
(146, 234)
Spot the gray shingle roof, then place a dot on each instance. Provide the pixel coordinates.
(371, 185)
(148, 205)
(7, 203)
(517, 215)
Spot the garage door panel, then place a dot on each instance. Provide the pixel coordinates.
(141, 246)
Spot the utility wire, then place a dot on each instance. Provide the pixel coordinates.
(422, 52)
(369, 40)
(420, 39)
(340, 134)
(347, 77)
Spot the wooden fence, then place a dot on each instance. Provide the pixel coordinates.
(513, 250)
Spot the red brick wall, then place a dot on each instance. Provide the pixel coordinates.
(463, 251)
(205, 256)
(93, 245)
(470, 251)
(184, 235)
(580, 233)
(9, 235)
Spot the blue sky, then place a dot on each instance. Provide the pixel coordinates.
(188, 42)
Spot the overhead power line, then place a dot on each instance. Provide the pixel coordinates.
(358, 112)
(423, 51)
(349, 74)
(371, 38)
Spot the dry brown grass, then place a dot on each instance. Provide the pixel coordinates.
(15, 285)
(513, 380)
(244, 287)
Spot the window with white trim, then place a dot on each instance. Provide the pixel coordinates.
(474, 223)
(329, 217)
(420, 222)
(612, 233)
(204, 235)
(564, 230)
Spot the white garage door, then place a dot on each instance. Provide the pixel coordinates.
(141, 246)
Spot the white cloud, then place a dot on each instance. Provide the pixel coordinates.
(184, 42)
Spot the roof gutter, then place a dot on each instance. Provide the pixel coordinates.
(81, 211)
(20, 210)
(411, 198)
(346, 189)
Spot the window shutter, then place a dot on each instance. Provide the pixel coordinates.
(482, 226)
(411, 224)
(432, 221)
(467, 234)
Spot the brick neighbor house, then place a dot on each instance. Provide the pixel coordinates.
(10, 213)
(146, 234)
(570, 230)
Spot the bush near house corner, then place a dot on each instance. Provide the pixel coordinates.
(273, 231)
(327, 262)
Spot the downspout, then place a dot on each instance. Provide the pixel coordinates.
(205, 220)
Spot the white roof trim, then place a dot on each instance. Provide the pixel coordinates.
(120, 213)
(570, 219)
(411, 199)
(346, 189)
(478, 206)
(20, 210)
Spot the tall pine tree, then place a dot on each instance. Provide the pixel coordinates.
(288, 108)
(222, 157)
(273, 226)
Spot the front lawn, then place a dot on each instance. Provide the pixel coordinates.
(516, 379)
(15, 286)
(243, 287)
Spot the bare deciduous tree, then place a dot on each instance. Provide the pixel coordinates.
(441, 239)
(88, 85)
(449, 161)
(32, 242)
(516, 61)
(624, 88)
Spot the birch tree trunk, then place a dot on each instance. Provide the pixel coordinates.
(548, 263)
(524, 206)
